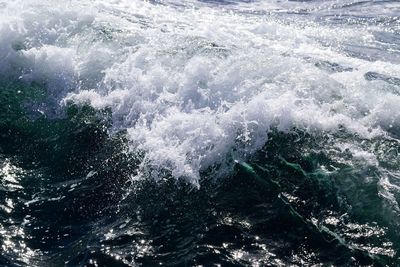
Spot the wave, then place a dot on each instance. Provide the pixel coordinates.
(193, 89)
(170, 132)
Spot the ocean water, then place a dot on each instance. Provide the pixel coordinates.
(200, 133)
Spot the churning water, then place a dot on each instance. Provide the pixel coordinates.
(199, 133)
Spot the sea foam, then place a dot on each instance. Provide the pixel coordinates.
(198, 88)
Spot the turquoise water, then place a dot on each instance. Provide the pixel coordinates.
(204, 133)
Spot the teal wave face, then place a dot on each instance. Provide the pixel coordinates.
(300, 199)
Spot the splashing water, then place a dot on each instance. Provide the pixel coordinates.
(204, 132)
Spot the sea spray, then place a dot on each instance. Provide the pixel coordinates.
(199, 133)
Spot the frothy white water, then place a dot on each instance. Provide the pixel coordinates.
(198, 86)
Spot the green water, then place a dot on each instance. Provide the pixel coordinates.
(299, 200)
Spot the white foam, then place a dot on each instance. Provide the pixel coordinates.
(195, 86)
